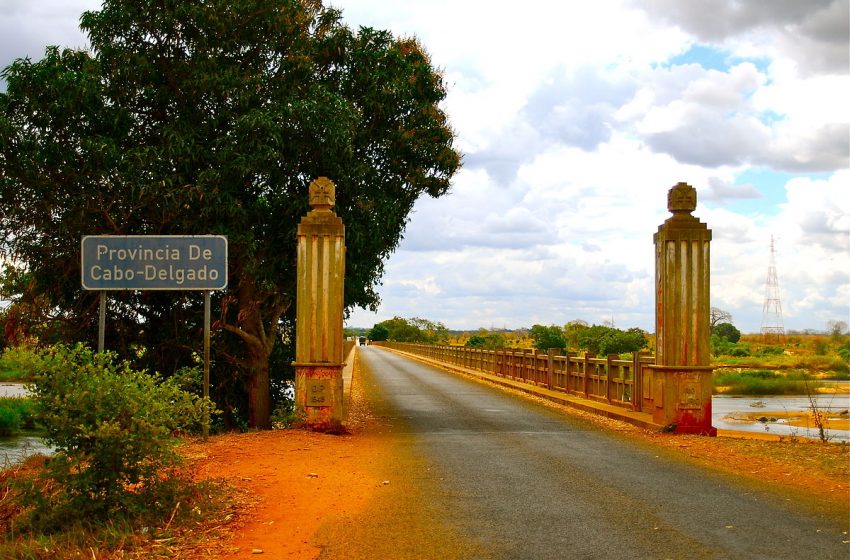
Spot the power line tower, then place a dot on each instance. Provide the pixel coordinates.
(772, 329)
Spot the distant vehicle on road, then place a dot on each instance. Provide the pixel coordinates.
(362, 341)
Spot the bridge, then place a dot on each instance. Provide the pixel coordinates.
(517, 479)
(673, 388)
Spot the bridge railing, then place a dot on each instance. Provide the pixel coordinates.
(604, 379)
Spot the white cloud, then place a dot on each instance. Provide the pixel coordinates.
(574, 123)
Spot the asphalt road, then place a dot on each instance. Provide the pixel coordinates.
(527, 482)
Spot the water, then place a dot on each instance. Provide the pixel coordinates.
(16, 449)
(12, 390)
(722, 406)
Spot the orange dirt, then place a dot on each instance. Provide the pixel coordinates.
(369, 495)
(298, 479)
(294, 481)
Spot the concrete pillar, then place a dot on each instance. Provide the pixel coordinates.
(680, 385)
(319, 356)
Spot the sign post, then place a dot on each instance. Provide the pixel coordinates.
(155, 262)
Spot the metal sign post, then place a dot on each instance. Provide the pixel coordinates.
(101, 323)
(206, 426)
(155, 262)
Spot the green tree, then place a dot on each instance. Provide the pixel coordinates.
(727, 331)
(486, 339)
(432, 333)
(213, 117)
(544, 337)
(603, 340)
(571, 332)
(378, 333)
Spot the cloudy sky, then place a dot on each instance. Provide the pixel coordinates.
(574, 119)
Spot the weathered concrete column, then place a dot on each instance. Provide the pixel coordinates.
(319, 312)
(680, 384)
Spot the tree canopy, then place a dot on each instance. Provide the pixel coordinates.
(603, 340)
(487, 339)
(399, 329)
(727, 331)
(212, 118)
(544, 338)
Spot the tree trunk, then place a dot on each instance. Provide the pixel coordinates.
(258, 342)
(259, 393)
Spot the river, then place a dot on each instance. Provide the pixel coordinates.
(725, 408)
(15, 449)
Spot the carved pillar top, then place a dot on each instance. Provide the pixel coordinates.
(322, 194)
(682, 199)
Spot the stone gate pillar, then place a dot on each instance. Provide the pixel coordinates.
(680, 381)
(319, 312)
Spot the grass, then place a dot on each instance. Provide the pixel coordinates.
(765, 382)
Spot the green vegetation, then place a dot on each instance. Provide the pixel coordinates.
(488, 340)
(818, 356)
(15, 415)
(194, 121)
(378, 333)
(602, 340)
(112, 428)
(727, 332)
(416, 330)
(544, 337)
(114, 482)
(18, 363)
(765, 382)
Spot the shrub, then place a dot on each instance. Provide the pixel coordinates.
(113, 430)
(19, 363)
(771, 351)
(844, 352)
(15, 415)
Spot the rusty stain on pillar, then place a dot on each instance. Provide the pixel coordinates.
(681, 377)
(319, 312)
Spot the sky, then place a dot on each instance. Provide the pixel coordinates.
(574, 120)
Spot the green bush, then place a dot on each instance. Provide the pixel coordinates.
(771, 351)
(844, 352)
(113, 429)
(722, 347)
(15, 415)
(19, 363)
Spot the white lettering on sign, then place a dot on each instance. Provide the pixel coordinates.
(154, 262)
(141, 254)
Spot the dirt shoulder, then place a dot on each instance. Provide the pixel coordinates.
(302, 494)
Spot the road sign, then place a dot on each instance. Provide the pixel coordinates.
(154, 262)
